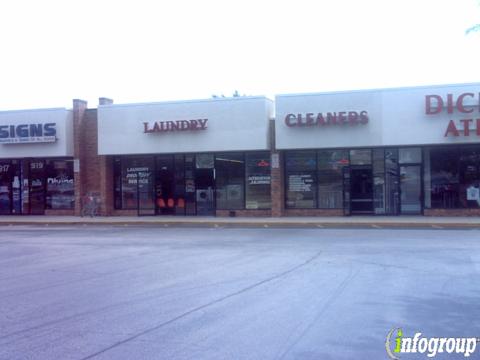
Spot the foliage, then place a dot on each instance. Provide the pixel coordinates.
(235, 94)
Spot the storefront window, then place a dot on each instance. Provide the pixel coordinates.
(392, 182)
(330, 178)
(301, 179)
(410, 155)
(469, 191)
(230, 180)
(190, 185)
(379, 181)
(37, 187)
(258, 181)
(60, 192)
(444, 177)
(361, 157)
(179, 194)
(5, 185)
(136, 169)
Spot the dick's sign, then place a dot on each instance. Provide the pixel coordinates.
(464, 112)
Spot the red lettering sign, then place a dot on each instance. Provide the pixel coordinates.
(329, 118)
(434, 104)
(465, 103)
(177, 125)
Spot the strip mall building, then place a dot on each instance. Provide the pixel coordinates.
(412, 151)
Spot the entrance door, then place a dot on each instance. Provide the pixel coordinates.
(165, 185)
(205, 182)
(361, 190)
(410, 189)
(146, 205)
(37, 187)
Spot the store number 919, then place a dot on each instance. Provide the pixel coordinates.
(36, 166)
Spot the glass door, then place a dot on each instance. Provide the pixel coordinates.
(146, 206)
(411, 189)
(37, 187)
(392, 182)
(346, 190)
(165, 185)
(205, 184)
(361, 190)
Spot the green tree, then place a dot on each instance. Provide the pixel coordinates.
(474, 28)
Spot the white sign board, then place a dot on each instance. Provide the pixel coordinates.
(391, 117)
(233, 124)
(36, 133)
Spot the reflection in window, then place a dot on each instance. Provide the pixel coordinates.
(444, 177)
(136, 169)
(361, 157)
(469, 172)
(257, 189)
(330, 178)
(410, 155)
(301, 181)
(60, 184)
(230, 181)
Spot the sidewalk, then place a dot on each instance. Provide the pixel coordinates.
(195, 221)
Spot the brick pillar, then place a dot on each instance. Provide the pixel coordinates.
(106, 185)
(79, 109)
(277, 185)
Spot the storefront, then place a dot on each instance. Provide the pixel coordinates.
(387, 152)
(407, 151)
(203, 158)
(36, 164)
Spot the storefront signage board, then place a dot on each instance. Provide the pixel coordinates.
(433, 115)
(36, 133)
(213, 125)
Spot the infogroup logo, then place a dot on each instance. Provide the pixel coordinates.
(428, 346)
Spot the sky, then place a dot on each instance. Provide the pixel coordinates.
(143, 51)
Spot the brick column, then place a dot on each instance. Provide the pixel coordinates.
(79, 109)
(277, 185)
(106, 185)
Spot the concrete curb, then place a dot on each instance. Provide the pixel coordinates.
(249, 224)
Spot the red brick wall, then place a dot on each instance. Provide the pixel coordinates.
(106, 184)
(79, 109)
(246, 213)
(60, 212)
(278, 188)
(95, 171)
(313, 212)
(451, 212)
(116, 212)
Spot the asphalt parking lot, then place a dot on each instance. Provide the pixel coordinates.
(113, 292)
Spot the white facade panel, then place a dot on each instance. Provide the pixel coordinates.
(16, 145)
(395, 117)
(232, 125)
